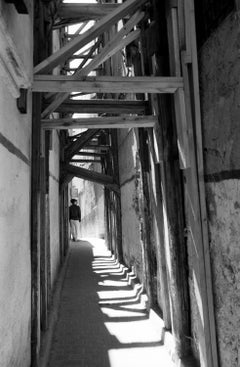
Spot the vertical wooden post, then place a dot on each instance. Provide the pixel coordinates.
(116, 198)
(35, 230)
(43, 249)
(149, 256)
(161, 240)
(39, 271)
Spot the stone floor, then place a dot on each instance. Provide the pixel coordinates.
(102, 321)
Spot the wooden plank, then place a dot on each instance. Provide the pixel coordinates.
(92, 176)
(195, 235)
(95, 147)
(212, 350)
(49, 63)
(85, 161)
(86, 11)
(116, 44)
(173, 38)
(91, 154)
(119, 122)
(102, 106)
(188, 30)
(179, 101)
(59, 98)
(173, 214)
(104, 84)
(74, 147)
(182, 129)
(35, 227)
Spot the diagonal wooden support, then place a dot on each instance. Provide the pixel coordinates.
(92, 176)
(116, 44)
(79, 143)
(66, 51)
(65, 178)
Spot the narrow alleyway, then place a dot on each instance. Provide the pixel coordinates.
(102, 320)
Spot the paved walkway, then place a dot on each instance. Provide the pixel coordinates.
(101, 321)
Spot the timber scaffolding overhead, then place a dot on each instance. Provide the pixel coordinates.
(105, 50)
(139, 61)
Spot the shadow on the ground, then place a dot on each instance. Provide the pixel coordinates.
(81, 337)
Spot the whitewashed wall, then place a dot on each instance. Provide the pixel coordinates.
(15, 178)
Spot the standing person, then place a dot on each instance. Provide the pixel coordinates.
(74, 218)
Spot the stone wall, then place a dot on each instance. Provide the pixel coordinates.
(15, 178)
(219, 64)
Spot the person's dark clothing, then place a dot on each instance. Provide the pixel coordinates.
(75, 212)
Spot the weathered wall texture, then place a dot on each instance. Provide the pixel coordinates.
(220, 95)
(15, 267)
(91, 200)
(54, 206)
(129, 172)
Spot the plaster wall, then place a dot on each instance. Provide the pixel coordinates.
(15, 178)
(54, 207)
(91, 201)
(129, 173)
(220, 95)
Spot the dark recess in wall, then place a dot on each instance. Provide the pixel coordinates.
(209, 14)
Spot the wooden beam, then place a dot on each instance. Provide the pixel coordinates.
(118, 42)
(76, 44)
(59, 98)
(206, 282)
(85, 161)
(91, 154)
(65, 178)
(119, 122)
(106, 84)
(92, 176)
(83, 12)
(102, 106)
(79, 143)
(96, 146)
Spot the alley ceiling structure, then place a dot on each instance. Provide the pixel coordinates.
(95, 50)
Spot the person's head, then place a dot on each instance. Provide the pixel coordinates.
(73, 201)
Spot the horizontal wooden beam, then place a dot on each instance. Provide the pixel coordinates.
(119, 122)
(102, 106)
(93, 146)
(92, 176)
(85, 12)
(85, 161)
(90, 154)
(77, 43)
(106, 84)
